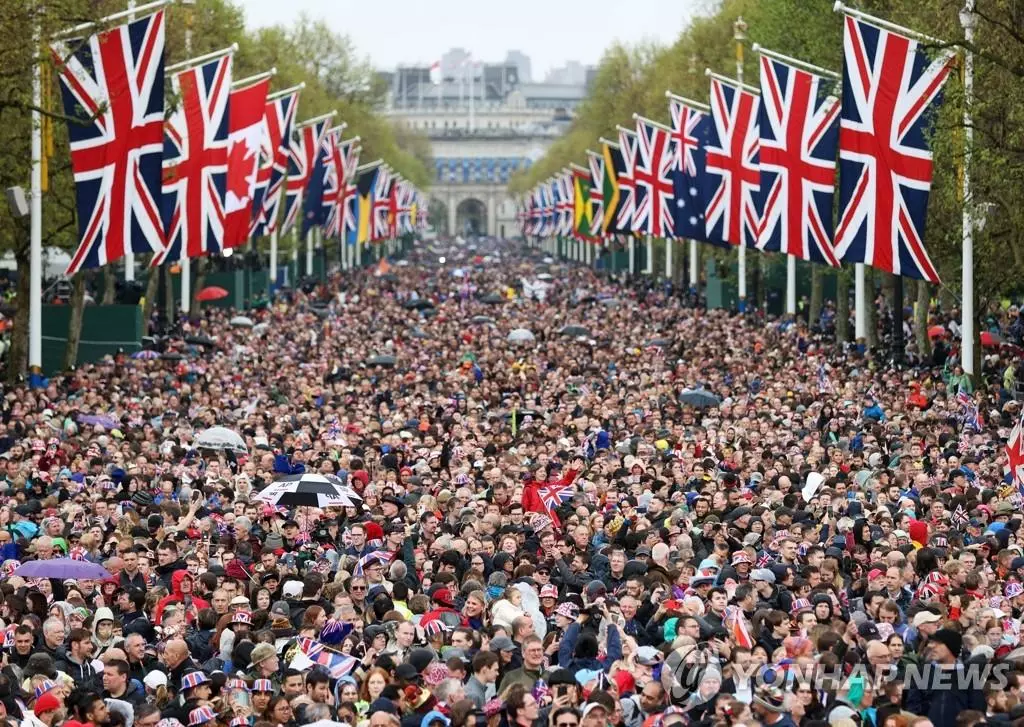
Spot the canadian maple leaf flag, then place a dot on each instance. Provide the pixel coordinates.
(245, 129)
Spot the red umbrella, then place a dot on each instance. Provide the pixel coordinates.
(937, 332)
(212, 293)
(990, 340)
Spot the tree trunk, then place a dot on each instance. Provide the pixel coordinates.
(842, 307)
(170, 304)
(17, 355)
(201, 266)
(77, 304)
(152, 290)
(109, 285)
(870, 300)
(924, 294)
(817, 295)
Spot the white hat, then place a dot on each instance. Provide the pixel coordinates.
(292, 589)
(155, 679)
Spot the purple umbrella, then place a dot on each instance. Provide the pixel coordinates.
(62, 569)
(103, 420)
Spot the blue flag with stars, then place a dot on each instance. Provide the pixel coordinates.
(691, 129)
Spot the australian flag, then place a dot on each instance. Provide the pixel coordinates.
(690, 131)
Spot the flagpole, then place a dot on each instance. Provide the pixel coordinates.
(273, 257)
(129, 255)
(186, 263)
(255, 78)
(739, 35)
(791, 285)
(694, 272)
(131, 10)
(668, 259)
(968, 21)
(35, 269)
(859, 304)
(309, 250)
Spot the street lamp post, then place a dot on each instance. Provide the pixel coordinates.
(969, 21)
(739, 35)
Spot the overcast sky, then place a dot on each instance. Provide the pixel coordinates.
(393, 32)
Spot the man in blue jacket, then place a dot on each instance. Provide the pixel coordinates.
(944, 696)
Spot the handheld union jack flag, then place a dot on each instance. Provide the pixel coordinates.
(196, 162)
(691, 128)
(336, 663)
(114, 84)
(732, 164)
(890, 87)
(553, 496)
(651, 177)
(799, 127)
(301, 159)
(270, 177)
(627, 187)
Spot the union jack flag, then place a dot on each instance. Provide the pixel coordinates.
(301, 159)
(553, 496)
(406, 202)
(732, 165)
(690, 130)
(1015, 453)
(799, 124)
(627, 188)
(114, 84)
(336, 663)
(653, 214)
(273, 169)
(596, 163)
(537, 210)
(341, 158)
(550, 226)
(885, 161)
(350, 222)
(196, 162)
(381, 205)
(563, 203)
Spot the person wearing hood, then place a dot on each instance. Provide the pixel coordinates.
(181, 592)
(580, 650)
(103, 630)
(168, 563)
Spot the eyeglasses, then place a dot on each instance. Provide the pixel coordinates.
(358, 588)
(566, 723)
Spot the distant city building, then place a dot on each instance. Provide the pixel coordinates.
(485, 122)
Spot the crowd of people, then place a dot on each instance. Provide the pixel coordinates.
(583, 504)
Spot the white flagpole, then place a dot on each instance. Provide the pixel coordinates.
(968, 20)
(668, 259)
(186, 263)
(694, 273)
(129, 256)
(859, 304)
(632, 256)
(309, 250)
(791, 285)
(35, 270)
(273, 257)
(649, 263)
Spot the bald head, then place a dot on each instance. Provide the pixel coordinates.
(175, 652)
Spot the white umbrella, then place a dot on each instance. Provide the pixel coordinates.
(309, 490)
(221, 438)
(521, 335)
(241, 322)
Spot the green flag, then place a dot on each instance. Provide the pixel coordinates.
(581, 203)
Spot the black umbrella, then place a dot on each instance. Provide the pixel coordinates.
(384, 360)
(419, 333)
(200, 341)
(418, 304)
(575, 331)
(309, 490)
(390, 277)
(492, 299)
(481, 320)
(172, 356)
(661, 342)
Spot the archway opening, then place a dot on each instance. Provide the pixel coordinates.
(471, 218)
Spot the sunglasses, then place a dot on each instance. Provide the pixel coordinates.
(567, 723)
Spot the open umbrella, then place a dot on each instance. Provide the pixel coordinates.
(521, 335)
(241, 322)
(145, 355)
(212, 292)
(700, 398)
(62, 569)
(221, 439)
(418, 304)
(937, 332)
(492, 299)
(384, 360)
(545, 276)
(418, 333)
(610, 302)
(481, 320)
(661, 342)
(200, 341)
(309, 489)
(575, 331)
(173, 356)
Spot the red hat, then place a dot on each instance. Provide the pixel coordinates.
(373, 531)
(46, 703)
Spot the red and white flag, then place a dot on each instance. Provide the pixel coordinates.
(244, 137)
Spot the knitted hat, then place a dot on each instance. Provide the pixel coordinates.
(46, 703)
